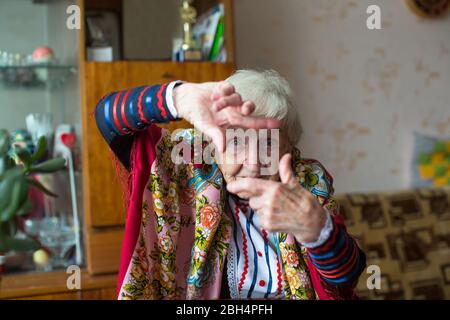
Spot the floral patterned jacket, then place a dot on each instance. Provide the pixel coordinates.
(178, 230)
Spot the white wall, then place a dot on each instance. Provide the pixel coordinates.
(361, 92)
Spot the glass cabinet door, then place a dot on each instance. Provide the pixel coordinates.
(39, 96)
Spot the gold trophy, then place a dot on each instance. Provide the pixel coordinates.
(191, 50)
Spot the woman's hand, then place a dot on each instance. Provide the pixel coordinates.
(283, 206)
(214, 106)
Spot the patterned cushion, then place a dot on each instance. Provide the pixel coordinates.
(407, 234)
(431, 161)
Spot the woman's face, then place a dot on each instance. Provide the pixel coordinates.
(253, 156)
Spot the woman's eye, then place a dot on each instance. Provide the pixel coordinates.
(233, 144)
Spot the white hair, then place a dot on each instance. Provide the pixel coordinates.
(273, 98)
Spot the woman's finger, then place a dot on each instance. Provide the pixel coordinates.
(238, 120)
(221, 90)
(244, 195)
(232, 100)
(216, 134)
(285, 170)
(258, 202)
(273, 222)
(247, 108)
(252, 186)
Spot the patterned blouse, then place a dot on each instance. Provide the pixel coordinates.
(254, 264)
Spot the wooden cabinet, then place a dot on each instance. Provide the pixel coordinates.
(104, 207)
(52, 286)
(103, 196)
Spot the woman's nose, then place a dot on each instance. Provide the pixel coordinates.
(252, 159)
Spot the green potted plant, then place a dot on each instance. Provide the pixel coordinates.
(15, 181)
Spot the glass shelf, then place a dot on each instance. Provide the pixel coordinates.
(35, 76)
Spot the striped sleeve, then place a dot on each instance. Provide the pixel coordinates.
(122, 113)
(339, 260)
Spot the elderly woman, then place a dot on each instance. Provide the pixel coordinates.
(223, 229)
